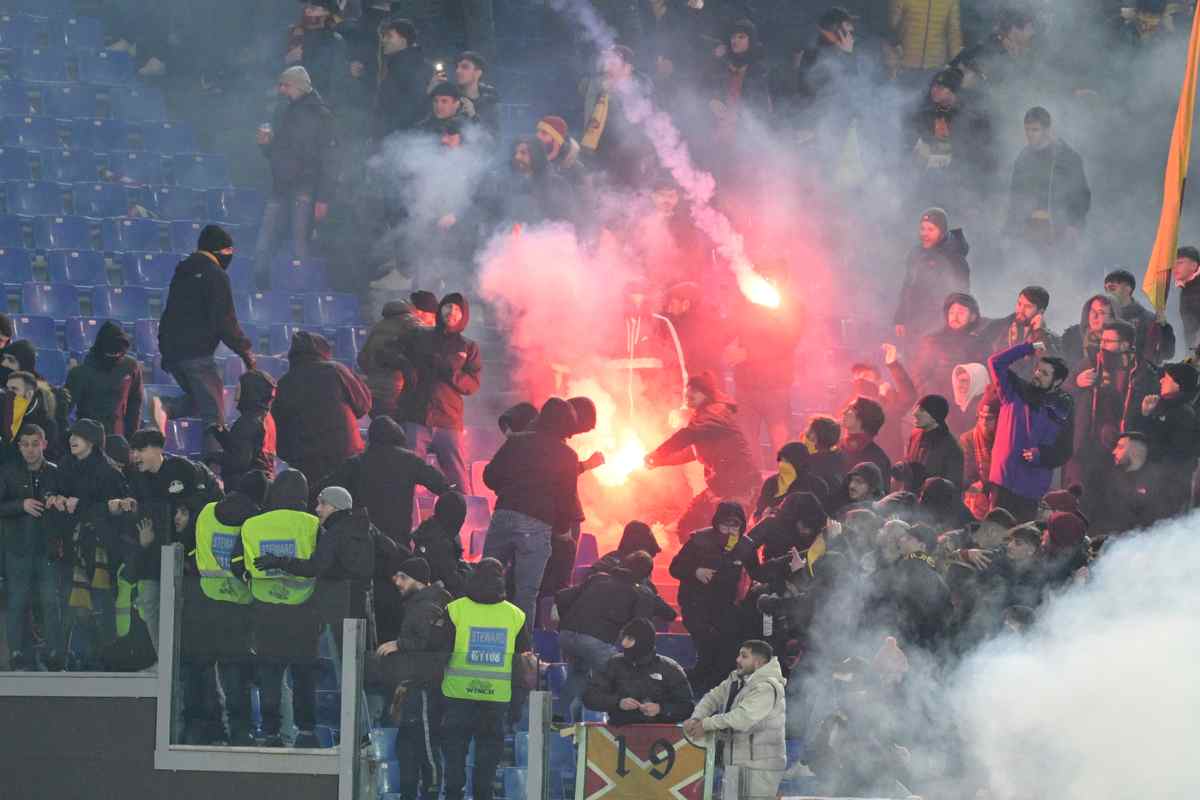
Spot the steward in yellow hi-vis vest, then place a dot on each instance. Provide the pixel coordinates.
(216, 545)
(284, 530)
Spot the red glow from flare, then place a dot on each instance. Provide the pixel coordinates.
(759, 290)
(629, 456)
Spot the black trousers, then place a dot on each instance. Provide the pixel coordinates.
(466, 720)
(417, 743)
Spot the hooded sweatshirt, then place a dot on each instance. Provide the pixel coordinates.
(640, 673)
(383, 478)
(250, 443)
(703, 603)
(795, 475)
(108, 389)
(716, 440)
(536, 473)
(448, 368)
(605, 602)
(636, 536)
(437, 541)
(199, 313)
(317, 407)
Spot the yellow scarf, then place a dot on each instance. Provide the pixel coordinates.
(20, 406)
(787, 476)
(595, 126)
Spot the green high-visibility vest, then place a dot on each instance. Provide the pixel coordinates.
(485, 635)
(124, 604)
(215, 544)
(292, 534)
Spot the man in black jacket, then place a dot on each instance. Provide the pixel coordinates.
(318, 403)
(932, 445)
(448, 368)
(401, 100)
(24, 402)
(437, 541)
(107, 386)
(480, 101)
(414, 662)
(383, 477)
(249, 445)
(33, 561)
(709, 569)
(639, 686)
(300, 145)
(937, 264)
(199, 315)
(592, 615)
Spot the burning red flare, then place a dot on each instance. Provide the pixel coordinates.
(758, 290)
(619, 465)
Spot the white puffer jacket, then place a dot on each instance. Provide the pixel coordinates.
(754, 729)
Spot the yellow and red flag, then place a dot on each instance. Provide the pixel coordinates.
(1158, 271)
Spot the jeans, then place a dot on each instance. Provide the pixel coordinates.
(447, 445)
(584, 655)
(145, 602)
(524, 543)
(484, 722)
(304, 695)
(25, 575)
(417, 742)
(203, 396)
(275, 216)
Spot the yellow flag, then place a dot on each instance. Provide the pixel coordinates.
(1158, 271)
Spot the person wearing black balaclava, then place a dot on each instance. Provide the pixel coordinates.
(199, 315)
(638, 686)
(107, 386)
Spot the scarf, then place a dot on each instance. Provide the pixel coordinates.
(595, 126)
(19, 407)
(785, 479)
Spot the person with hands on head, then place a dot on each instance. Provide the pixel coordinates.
(749, 711)
(637, 685)
(199, 315)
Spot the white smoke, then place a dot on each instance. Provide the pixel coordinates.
(1100, 697)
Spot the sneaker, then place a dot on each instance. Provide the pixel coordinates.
(121, 46)
(153, 68)
(158, 413)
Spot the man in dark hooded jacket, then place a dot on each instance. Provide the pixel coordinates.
(535, 477)
(401, 100)
(937, 265)
(381, 358)
(794, 475)
(637, 685)
(714, 438)
(199, 315)
(960, 341)
(317, 407)
(709, 568)
(932, 445)
(250, 444)
(383, 477)
(448, 368)
(636, 536)
(437, 541)
(107, 386)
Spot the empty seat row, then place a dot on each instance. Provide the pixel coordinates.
(70, 100)
(29, 30)
(54, 232)
(91, 133)
(238, 206)
(128, 167)
(51, 63)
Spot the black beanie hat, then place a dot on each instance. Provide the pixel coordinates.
(214, 238)
(1185, 375)
(25, 354)
(641, 630)
(254, 484)
(936, 406)
(938, 217)
(424, 301)
(89, 430)
(417, 569)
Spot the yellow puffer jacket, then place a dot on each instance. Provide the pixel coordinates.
(928, 31)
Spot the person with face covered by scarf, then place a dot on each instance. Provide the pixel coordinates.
(638, 686)
(1108, 394)
(107, 386)
(794, 475)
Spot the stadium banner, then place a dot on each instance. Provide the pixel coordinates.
(641, 762)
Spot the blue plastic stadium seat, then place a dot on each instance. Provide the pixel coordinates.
(100, 135)
(37, 329)
(83, 33)
(66, 233)
(16, 265)
(16, 231)
(185, 436)
(135, 166)
(167, 137)
(232, 370)
(135, 234)
(327, 736)
(36, 197)
(556, 676)
(545, 644)
(588, 551)
(52, 365)
(68, 166)
(200, 170)
(106, 67)
(125, 303)
(275, 366)
(14, 164)
(78, 266)
(677, 646)
(236, 205)
(154, 270)
(176, 203)
(18, 131)
(24, 30)
(58, 300)
(329, 309)
(104, 200)
(514, 782)
(80, 332)
(479, 513)
(140, 105)
(44, 64)
(14, 99)
(297, 276)
(383, 743)
(145, 336)
(265, 308)
(389, 777)
(185, 233)
(241, 275)
(348, 340)
(66, 101)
